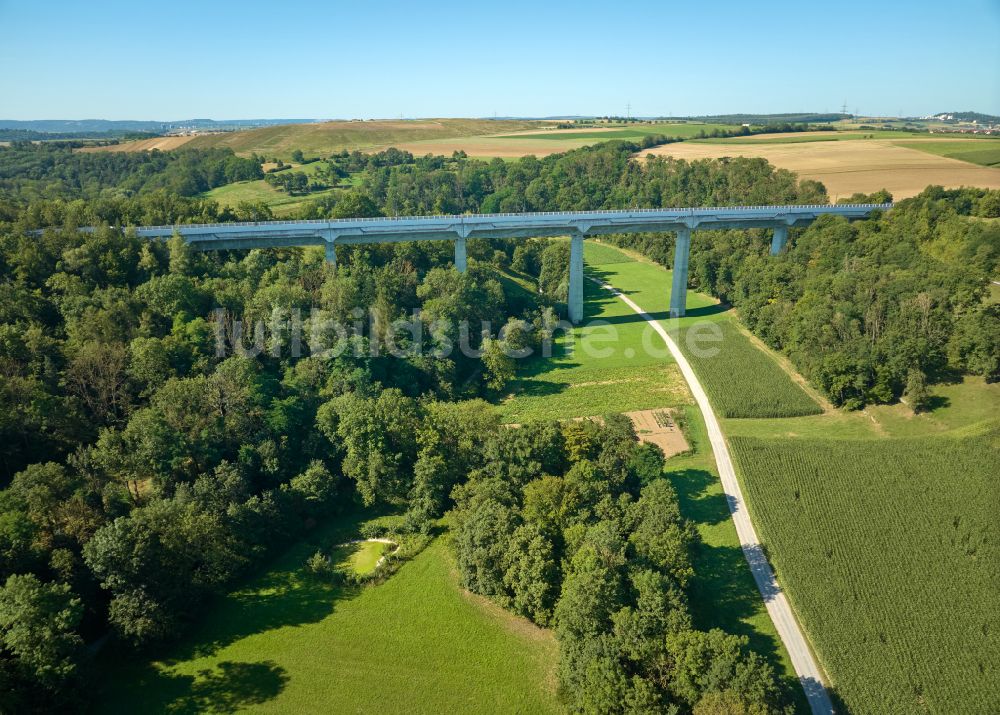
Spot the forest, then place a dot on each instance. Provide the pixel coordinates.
(145, 472)
(870, 311)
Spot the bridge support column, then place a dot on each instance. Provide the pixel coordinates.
(575, 299)
(779, 239)
(461, 261)
(678, 291)
(331, 254)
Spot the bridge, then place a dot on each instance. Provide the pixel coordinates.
(575, 224)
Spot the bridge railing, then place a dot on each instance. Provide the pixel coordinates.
(575, 214)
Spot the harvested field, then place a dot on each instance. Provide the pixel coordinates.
(161, 143)
(492, 146)
(848, 167)
(542, 143)
(659, 427)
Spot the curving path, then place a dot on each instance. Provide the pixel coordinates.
(777, 605)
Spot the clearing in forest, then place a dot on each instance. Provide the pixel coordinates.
(287, 642)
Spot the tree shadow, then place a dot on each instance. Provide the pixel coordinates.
(528, 387)
(936, 402)
(229, 687)
(724, 592)
(278, 599)
(697, 502)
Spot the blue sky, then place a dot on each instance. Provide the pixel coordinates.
(224, 60)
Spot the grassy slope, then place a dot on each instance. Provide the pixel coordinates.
(285, 643)
(281, 203)
(329, 137)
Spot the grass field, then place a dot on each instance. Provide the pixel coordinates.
(985, 153)
(281, 203)
(889, 551)
(361, 557)
(286, 643)
(259, 191)
(608, 368)
(581, 380)
(848, 167)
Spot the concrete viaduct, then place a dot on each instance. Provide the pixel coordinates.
(575, 224)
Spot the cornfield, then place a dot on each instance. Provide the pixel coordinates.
(741, 380)
(889, 551)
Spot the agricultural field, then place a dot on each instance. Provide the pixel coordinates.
(888, 550)
(985, 153)
(328, 137)
(416, 643)
(543, 143)
(859, 165)
(742, 380)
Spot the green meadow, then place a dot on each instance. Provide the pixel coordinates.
(288, 643)
(259, 191)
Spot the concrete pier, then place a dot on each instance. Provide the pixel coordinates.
(461, 260)
(678, 291)
(575, 300)
(779, 239)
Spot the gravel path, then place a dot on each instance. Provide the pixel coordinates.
(777, 605)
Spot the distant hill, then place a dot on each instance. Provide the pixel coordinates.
(799, 118)
(316, 139)
(31, 135)
(968, 117)
(77, 127)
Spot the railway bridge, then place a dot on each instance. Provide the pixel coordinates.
(458, 229)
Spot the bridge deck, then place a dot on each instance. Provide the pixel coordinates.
(508, 225)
